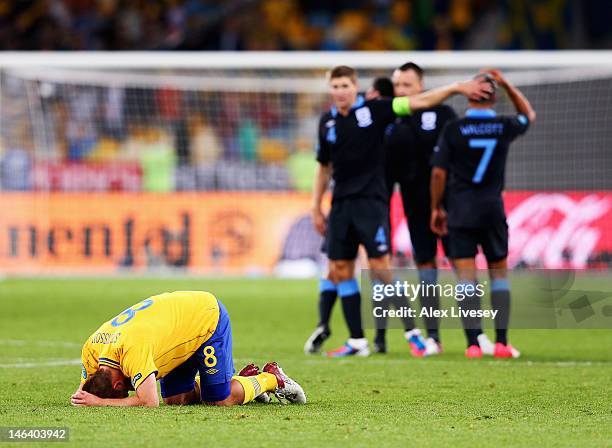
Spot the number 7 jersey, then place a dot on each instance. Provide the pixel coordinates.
(153, 336)
(473, 150)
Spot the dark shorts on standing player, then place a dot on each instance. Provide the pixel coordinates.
(417, 208)
(493, 240)
(355, 221)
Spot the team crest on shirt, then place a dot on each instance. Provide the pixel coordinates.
(428, 121)
(364, 117)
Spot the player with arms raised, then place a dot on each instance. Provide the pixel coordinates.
(172, 337)
(472, 154)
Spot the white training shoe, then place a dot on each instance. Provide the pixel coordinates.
(432, 347)
(487, 347)
(287, 388)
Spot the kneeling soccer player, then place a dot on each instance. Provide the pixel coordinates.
(172, 337)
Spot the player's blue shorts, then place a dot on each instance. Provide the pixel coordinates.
(213, 360)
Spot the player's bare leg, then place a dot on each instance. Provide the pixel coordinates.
(381, 272)
(191, 397)
(236, 396)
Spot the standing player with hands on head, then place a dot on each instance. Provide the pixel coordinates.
(472, 154)
(409, 145)
(350, 150)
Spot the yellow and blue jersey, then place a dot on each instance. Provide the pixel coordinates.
(153, 336)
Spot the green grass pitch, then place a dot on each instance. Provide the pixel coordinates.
(558, 394)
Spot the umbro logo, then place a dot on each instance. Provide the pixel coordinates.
(330, 123)
(211, 371)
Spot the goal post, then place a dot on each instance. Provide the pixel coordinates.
(273, 60)
(202, 162)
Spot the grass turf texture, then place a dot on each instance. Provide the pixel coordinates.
(559, 393)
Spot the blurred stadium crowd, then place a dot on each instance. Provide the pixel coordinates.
(303, 24)
(154, 138)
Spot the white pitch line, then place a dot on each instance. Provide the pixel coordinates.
(22, 342)
(52, 363)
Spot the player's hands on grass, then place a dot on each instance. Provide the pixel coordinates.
(82, 398)
(475, 89)
(318, 219)
(439, 221)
